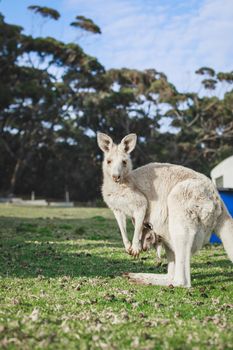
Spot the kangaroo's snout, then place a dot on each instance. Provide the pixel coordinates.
(116, 178)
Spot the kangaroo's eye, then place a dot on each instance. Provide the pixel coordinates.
(109, 161)
(124, 162)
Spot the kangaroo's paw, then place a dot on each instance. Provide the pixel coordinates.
(148, 279)
(128, 247)
(135, 249)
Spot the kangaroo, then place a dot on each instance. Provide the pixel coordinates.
(182, 205)
(119, 191)
(150, 239)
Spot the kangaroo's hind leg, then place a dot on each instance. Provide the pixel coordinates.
(183, 230)
(182, 243)
(155, 279)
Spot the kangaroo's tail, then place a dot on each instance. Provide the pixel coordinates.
(224, 229)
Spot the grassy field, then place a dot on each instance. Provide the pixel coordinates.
(61, 287)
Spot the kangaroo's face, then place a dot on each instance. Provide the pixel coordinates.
(148, 239)
(117, 163)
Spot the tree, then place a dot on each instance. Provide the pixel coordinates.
(45, 12)
(205, 124)
(86, 24)
(54, 98)
(34, 102)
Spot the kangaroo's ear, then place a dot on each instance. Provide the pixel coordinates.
(104, 142)
(128, 143)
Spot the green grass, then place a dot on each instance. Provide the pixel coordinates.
(61, 287)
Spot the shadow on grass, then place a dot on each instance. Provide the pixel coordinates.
(223, 263)
(81, 248)
(58, 247)
(212, 278)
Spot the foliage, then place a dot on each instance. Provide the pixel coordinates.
(86, 24)
(61, 286)
(206, 71)
(46, 12)
(209, 83)
(54, 98)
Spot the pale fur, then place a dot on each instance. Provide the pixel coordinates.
(151, 239)
(182, 205)
(122, 197)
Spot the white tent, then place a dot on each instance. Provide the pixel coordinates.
(222, 174)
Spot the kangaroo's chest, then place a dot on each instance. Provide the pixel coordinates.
(120, 200)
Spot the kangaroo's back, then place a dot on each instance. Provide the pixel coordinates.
(157, 180)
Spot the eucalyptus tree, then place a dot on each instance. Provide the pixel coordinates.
(204, 123)
(54, 98)
(36, 104)
(86, 24)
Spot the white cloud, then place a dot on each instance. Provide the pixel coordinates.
(156, 34)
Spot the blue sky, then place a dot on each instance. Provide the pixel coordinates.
(173, 36)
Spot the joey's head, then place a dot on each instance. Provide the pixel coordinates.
(148, 239)
(117, 163)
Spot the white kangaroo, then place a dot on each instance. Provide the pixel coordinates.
(182, 206)
(119, 191)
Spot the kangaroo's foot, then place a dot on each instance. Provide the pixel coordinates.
(149, 279)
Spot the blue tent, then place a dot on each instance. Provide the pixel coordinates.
(227, 197)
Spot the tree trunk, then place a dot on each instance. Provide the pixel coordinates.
(15, 174)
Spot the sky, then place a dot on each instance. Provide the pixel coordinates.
(173, 36)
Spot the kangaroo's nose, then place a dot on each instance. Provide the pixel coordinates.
(116, 178)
